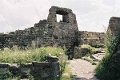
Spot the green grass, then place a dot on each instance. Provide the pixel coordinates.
(34, 54)
(25, 56)
(91, 50)
(66, 71)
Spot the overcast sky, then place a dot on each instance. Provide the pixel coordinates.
(92, 15)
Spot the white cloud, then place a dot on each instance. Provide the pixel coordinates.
(2, 19)
(91, 14)
(20, 14)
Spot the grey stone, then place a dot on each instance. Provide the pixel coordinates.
(52, 58)
(14, 69)
(49, 32)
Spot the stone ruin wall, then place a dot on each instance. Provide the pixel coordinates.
(37, 70)
(47, 32)
(95, 39)
(114, 33)
(52, 33)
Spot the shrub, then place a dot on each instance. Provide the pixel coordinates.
(89, 50)
(108, 69)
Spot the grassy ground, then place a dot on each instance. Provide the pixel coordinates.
(24, 56)
(33, 54)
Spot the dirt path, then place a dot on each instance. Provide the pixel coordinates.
(82, 70)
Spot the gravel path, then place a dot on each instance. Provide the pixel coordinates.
(82, 70)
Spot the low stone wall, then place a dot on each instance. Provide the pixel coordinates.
(38, 70)
(95, 39)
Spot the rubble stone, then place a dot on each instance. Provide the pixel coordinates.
(49, 32)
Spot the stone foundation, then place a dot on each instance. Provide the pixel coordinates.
(38, 70)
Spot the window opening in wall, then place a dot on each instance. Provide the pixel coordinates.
(59, 18)
(62, 16)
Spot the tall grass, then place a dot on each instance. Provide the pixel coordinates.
(15, 55)
(24, 56)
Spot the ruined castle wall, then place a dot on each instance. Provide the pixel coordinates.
(92, 38)
(47, 32)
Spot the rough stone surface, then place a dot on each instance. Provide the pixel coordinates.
(114, 26)
(49, 32)
(4, 68)
(45, 70)
(46, 32)
(95, 39)
(38, 70)
(14, 69)
(77, 52)
(114, 32)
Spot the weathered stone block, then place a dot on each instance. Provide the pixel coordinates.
(77, 52)
(4, 68)
(25, 68)
(14, 69)
(52, 58)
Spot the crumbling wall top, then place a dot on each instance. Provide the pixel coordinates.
(114, 26)
(58, 10)
(67, 15)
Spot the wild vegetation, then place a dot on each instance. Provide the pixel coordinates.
(90, 52)
(16, 55)
(108, 68)
(24, 56)
(90, 49)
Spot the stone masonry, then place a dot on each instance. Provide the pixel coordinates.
(35, 70)
(49, 32)
(94, 39)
